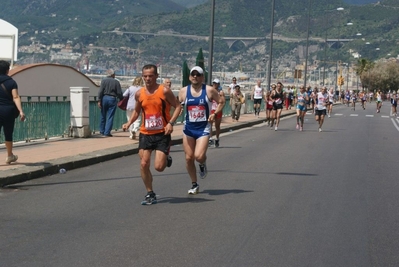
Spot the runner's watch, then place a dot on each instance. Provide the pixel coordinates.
(172, 123)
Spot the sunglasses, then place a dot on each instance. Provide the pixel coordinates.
(196, 74)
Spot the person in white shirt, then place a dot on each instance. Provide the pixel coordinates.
(321, 99)
(257, 96)
(232, 86)
(330, 102)
(137, 84)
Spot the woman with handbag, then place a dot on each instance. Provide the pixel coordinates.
(131, 105)
(10, 108)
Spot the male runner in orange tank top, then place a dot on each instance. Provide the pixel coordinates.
(154, 101)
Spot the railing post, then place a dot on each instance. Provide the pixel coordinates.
(80, 126)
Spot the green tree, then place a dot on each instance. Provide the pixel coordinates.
(385, 76)
(363, 68)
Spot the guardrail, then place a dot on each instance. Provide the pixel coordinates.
(49, 116)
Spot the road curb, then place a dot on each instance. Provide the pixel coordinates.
(51, 167)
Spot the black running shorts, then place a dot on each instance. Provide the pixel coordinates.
(155, 142)
(319, 112)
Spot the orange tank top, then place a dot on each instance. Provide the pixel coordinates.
(155, 111)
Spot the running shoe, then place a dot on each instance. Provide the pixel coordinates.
(216, 142)
(211, 142)
(301, 129)
(193, 190)
(320, 130)
(168, 161)
(297, 126)
(203, 171)
(276, 128)
(149, 199)
(11, 158)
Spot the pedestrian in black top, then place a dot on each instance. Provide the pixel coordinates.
(108, 96)
(10, 106)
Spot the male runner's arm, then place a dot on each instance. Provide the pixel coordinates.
(219, 99)
(172, 100)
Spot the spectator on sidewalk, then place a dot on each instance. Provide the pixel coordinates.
(167, 83)
(10, 105)
(108, 96)
(131, 105)
(236, 100)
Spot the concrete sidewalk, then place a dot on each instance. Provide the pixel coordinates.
(41, 158)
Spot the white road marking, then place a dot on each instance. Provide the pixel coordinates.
(338, 114)
(371, 116)
(382, 116)
(394, 124)
(354, 115)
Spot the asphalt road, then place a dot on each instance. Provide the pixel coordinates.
(282, 198)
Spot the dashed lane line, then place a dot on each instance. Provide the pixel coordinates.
(394, 124)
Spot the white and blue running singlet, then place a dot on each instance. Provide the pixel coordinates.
(198, 109)
(301, 104)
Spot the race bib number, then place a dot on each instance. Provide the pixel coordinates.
(321, 102)
(214, 105)
(301, 100)
(270, 102)
(258, 94)
(278, 101)
(153, 122)
(196, 113)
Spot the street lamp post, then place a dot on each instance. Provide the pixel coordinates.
(210, 58)
(339, 33)
(307, 44)
(269, 70)
(325, 47)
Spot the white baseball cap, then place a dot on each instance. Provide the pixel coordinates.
(197, 68)
(216, 81)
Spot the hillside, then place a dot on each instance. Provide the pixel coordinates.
(83, 24)
(360, 2)
(190, 3)
(76, 17)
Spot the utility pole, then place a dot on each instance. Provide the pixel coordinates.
(269, 70)
(307, 44)
(210, 58)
